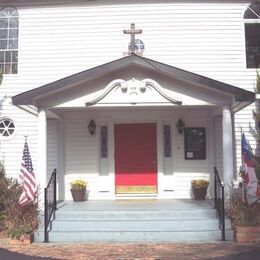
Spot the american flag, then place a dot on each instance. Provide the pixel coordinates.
(27, 177)
(251, 185)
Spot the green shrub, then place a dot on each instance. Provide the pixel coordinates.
(15, 218)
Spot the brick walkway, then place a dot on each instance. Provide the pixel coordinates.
(131, 251)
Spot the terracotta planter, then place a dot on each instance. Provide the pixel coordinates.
(25, 239)
(247, 234)
(199, 194)
(78, 195)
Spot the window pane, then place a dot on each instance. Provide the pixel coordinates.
(8, 55)
(8, 69)
(3, 44)
(13, 33)
(167, 141)
(252, 34)
(5, 133)
(2, 55)
(13, 23)
(104, 141)
(14, 68)
(3, 33)
(11, 131)
(14, 56)
(13, 44)
(3, 23)
(252, 12)
(10, 11)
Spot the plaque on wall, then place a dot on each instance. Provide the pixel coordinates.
(195, 143)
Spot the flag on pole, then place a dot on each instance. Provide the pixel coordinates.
(251, 185)
(27, 177)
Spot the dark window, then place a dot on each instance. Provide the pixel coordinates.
(252, 35)
(9, 23)
(6, 127)
(167, 141)
(252, 31)
(103, 147)
(252, 11)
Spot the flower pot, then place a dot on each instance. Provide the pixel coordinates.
(199, 193)
(78, 195)
(25, 239)
(247, 234)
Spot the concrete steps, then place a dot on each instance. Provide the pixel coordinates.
(132, 223)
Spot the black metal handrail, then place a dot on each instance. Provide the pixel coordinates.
(50, 204)
(220, 202)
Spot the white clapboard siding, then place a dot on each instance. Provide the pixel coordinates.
(11, 150)
(61, 37)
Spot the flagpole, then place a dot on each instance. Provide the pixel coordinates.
(241, 135)
(243, 168)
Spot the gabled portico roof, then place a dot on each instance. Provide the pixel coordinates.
(240, 96)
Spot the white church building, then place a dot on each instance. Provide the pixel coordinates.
(135, 111)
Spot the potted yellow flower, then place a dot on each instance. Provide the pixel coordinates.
(78, 190)
(199, 188)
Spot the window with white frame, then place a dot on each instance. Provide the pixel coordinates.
(7, 128)
(103, 141)
(9, 25)
(252, 35)
(167, 141)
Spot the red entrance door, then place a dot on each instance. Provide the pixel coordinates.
(135, 158)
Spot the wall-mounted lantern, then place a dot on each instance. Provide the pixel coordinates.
(92, 127)
(180, 126)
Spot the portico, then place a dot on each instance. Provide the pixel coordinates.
(144, 97)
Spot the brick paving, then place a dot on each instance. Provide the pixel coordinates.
(117, 251)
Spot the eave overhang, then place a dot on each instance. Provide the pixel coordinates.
(241, 97)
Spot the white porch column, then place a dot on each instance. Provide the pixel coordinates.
(227, 138)
(42, 152)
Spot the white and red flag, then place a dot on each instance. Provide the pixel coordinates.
(27, 178)
(251, 184)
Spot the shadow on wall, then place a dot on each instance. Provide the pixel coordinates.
(2, 100)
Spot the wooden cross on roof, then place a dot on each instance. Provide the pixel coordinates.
(132, 32)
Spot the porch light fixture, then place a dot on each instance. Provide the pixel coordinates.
(92, 127)
(180, 126)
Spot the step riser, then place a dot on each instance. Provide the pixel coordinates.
(82, 237)
(135, 215)
(136, 226)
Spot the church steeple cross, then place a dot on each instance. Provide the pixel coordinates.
(132, 32)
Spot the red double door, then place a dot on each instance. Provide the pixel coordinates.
(135, 158)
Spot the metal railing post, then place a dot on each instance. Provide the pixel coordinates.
(55, 191)
(50, 204)
(215, 186)
(46, 234)
(220, 203)
(223, 215)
